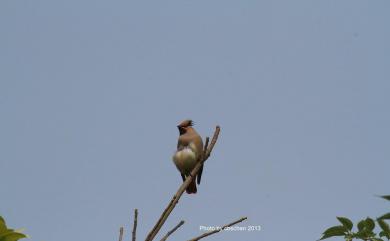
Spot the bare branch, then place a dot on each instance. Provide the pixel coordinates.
(212, 144)
(120, 233)
(135, 224)
(172, 231)
(218, 230)
(175, 199)
(206, 145)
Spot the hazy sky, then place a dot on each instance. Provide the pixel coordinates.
(91, 93)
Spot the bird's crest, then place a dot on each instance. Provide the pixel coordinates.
(186, 123)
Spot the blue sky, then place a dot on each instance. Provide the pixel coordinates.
(91, 93)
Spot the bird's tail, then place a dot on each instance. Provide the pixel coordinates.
(192, 187)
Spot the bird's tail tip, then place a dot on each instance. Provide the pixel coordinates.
(191, 189)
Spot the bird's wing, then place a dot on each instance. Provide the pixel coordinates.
(199, 146)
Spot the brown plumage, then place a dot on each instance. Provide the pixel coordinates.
(189, 152)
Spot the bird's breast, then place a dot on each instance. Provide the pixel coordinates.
(185, 160)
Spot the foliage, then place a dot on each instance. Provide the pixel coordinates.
(7, 234)
(365, 228)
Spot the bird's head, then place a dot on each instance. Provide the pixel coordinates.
(184, 125)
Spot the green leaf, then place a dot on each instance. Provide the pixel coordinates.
(387, 197)
(369, 224)
(7, 234)
(3, 226)
(385, 216)
(384, 234)
(361, 225)
(13, 236)
(346, 222)
(334, 231)
(385, 227)
(365, 228)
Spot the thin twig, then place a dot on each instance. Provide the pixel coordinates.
(212, 144)
(206, 145)
(120, 233)
(135, 224)
(172, 231)
(218, 230)
(175, 199)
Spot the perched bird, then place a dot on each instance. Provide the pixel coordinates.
(189, 152)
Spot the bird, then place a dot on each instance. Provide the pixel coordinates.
(189, 152)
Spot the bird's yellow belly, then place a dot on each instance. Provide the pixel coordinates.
(185, 160)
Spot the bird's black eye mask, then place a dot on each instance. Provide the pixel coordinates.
(182, 130)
